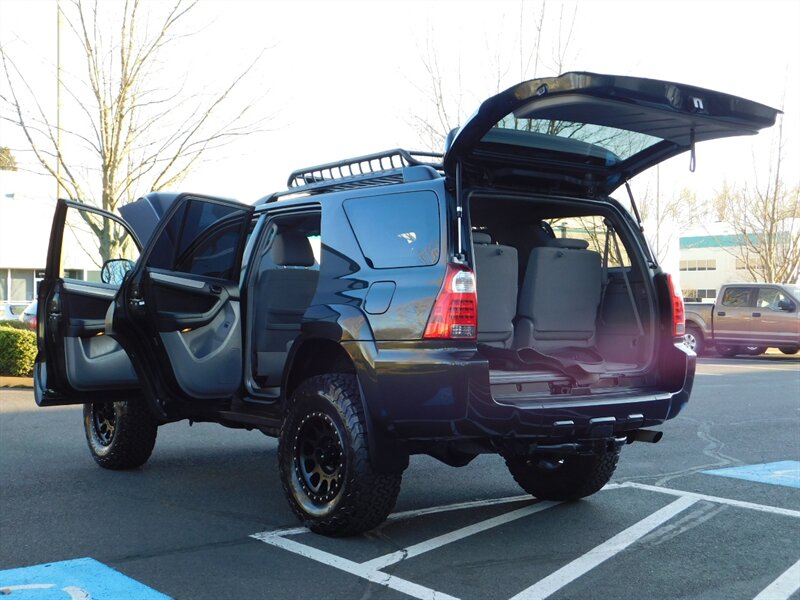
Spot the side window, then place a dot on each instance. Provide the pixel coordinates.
(769, 298)
(203, 237)
(96, 248)
(396, 230)
(737, 296)
(593, 230)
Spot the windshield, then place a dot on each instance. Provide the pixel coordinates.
(611, 144)
(794, 290)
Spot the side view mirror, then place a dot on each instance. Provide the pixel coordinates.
(786, 305)
(114, 270)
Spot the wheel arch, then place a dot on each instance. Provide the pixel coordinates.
(319, 356)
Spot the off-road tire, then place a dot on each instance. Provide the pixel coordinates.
(694, 339)
(570, 477)
(120, 435)
(789, 349)
(334, 490)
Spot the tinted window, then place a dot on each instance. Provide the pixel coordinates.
(203, 237)
(736, 296)
(397, 230)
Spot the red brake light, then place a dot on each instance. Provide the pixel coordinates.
(678, 315)
(455, 312)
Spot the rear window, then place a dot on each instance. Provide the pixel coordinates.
(396, 230)
(607, 145)
(737, 296)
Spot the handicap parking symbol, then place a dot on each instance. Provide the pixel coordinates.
(79, 579)
(786, 472)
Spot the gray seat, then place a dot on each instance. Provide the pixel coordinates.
(497, 287)
(560, 297)
(286, 285)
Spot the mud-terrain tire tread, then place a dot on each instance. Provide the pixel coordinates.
(578, 477)
(369, 496)
(134, 437)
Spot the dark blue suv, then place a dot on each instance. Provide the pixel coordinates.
(493, 299)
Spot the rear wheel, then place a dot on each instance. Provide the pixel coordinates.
(694, 339)
(789, 349)
(120, 435)
(324, 461)
(552, 477)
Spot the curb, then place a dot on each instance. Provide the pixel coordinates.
(16, 382)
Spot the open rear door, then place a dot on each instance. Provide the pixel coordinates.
(178, 314)
(90, 252)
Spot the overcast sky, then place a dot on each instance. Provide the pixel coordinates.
(345, 78)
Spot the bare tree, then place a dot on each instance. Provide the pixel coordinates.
(132, 131)
(765, 218)
(445, 94)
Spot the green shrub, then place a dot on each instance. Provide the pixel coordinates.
(17, 351)
(13, 324)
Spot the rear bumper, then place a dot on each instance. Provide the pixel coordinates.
(444, 394)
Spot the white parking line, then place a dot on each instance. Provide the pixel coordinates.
(784, 586)
(775, 510)
(583, 564)
(459, 534)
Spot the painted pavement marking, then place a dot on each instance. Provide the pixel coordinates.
(79, 579)
(781, 589)
(786, 472)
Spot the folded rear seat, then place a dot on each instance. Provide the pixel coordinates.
(559, 298)
(497, 286)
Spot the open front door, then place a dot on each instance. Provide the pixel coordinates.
(178, 313)
(90, 251)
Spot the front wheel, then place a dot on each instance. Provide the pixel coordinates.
(789, 349)
(324, 460)
(553, 477)
(120, 435)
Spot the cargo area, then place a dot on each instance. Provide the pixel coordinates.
(566, 302)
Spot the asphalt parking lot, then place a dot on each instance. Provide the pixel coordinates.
(205, 518)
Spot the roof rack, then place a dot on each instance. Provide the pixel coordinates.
(362, 171)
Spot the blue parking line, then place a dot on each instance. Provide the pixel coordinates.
(79, 579)
(786, 472)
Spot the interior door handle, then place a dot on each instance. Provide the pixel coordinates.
(216, 289)
(721, 313)
(756, 314)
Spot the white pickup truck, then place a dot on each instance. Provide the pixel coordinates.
(748, 318)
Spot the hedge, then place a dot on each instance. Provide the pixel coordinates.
(17, 351)
(14, 324)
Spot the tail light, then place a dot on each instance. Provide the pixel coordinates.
(455, 312)
(678, 316)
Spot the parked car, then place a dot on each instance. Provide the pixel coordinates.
(401, 303)
(748, 319)
(29, 315)
(11, 311)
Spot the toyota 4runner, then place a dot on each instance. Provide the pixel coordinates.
(494, 299)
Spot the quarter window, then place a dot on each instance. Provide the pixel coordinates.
(396, 230)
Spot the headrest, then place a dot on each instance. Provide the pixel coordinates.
(292, 249)
(570, 243)
(478, 237)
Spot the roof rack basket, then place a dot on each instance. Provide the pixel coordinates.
(362, 171)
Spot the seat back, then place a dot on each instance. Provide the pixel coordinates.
(497, 286)
(560, 296)
(286, 285)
